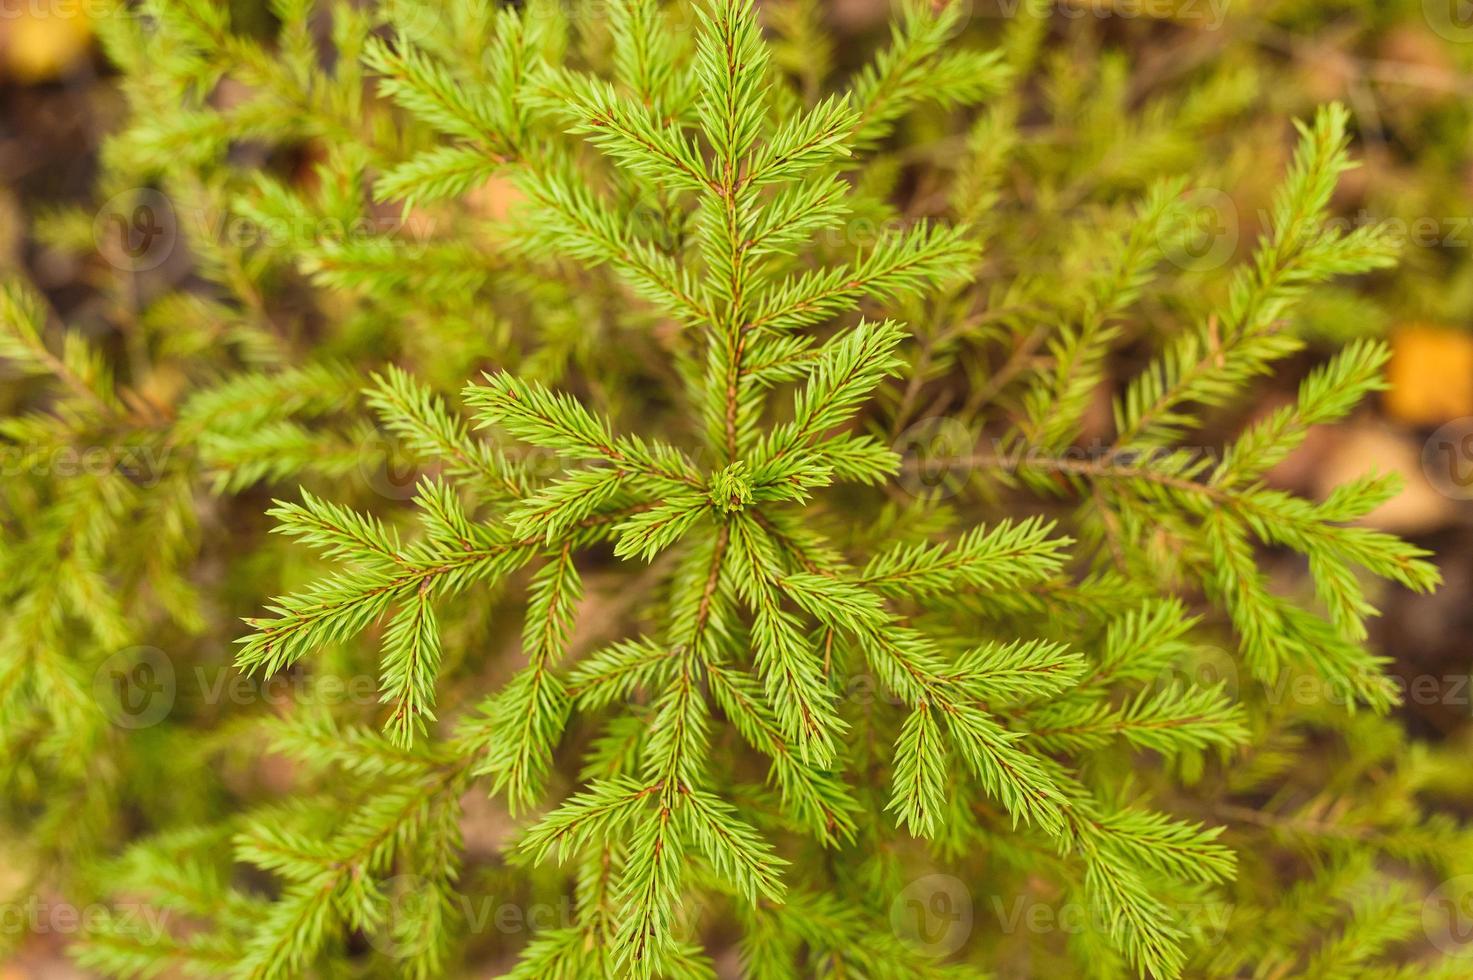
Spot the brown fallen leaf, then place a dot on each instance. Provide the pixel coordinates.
(493, 199)
(1362, 447)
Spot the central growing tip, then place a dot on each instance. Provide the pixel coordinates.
(731, 488)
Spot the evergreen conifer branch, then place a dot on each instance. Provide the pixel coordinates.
(759, 671)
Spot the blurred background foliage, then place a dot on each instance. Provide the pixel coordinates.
(1123, 92)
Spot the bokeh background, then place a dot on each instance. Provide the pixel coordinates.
(1405, 69)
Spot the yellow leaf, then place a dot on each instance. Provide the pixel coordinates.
(1431, 375)
(41, 41)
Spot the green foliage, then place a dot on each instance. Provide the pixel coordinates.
(764, 675)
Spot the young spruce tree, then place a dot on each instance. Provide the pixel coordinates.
(835, 609)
